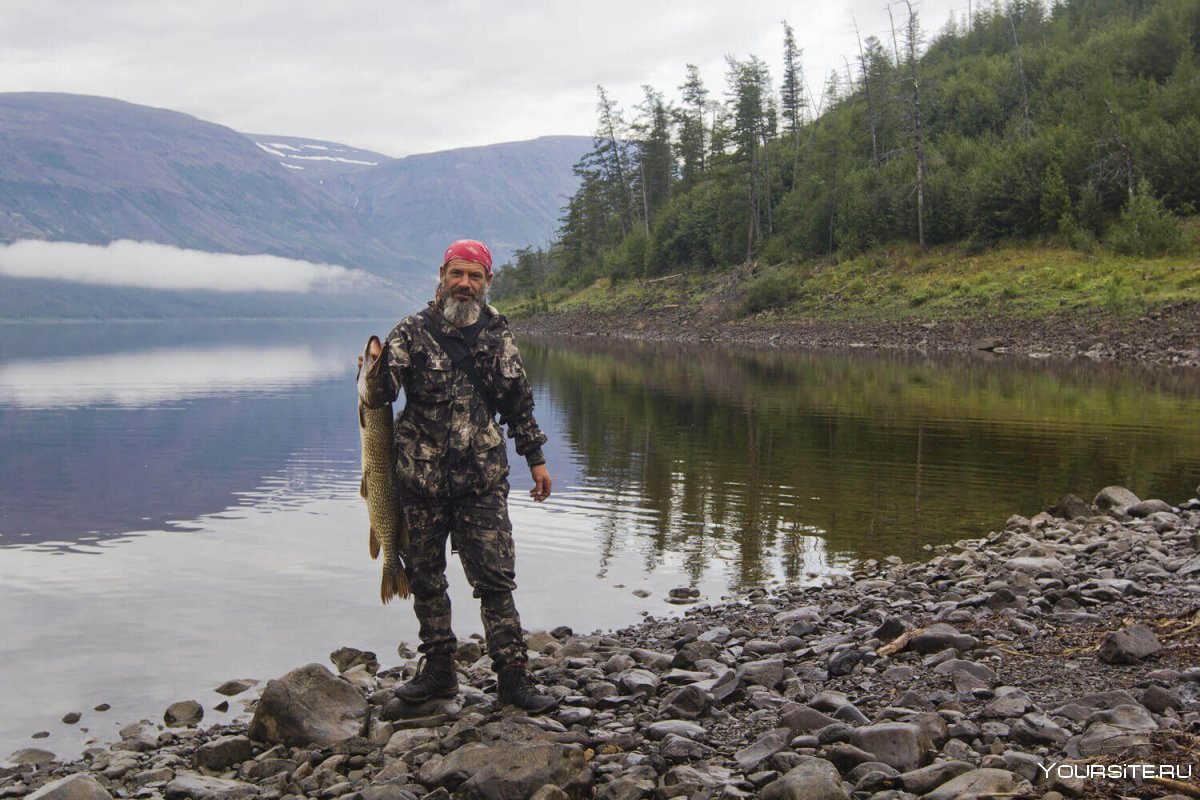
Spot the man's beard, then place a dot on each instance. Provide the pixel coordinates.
(461, 312)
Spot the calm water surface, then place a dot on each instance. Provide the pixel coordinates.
(178, 503)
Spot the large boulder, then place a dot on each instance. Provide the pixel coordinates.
(811, 779)
(478, 771)
(79, 786)
(308, 706)
(223, 752)
(1129, 646)
(979, 784)
(1115, 498)
(901, 745)
(190, 786)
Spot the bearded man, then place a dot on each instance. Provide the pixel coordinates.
(458, 366)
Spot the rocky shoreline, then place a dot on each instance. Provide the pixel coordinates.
(1167, 336)
(1055, 658)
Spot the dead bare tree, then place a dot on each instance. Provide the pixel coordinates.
(866, 84)
(912, 39)
(1020, 71)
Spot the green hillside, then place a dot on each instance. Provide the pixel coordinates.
(1039, 157)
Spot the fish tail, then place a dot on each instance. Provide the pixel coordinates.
(394, 584)
(373, 543)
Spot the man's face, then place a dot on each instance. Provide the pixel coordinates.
(464, 285)
(464, 280)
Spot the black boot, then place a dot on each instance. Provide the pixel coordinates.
(435, 678)
(517, 687)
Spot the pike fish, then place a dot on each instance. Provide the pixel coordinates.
(389, 532)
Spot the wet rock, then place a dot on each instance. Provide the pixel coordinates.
(1070, 507)
(80, 786)
(638, 681)
(501, 772)
(346, 657)
(31, 756)
(1129, 646)
(1147, 507)
(235, 687)
(981, 783)
(183, 713)
(812, 779)
(308, 706)
(224, 752)
(192, 786)
(897, 744)
(1115, 498)
(72, 717)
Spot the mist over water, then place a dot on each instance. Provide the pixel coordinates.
(179, 502)
(149, 265)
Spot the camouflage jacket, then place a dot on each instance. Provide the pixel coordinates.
(447, 441)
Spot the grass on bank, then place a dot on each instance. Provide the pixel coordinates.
(899, 282)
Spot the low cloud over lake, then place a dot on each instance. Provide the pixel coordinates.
(158, 266)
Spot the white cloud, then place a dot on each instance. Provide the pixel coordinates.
(411, 77)
(149, 265)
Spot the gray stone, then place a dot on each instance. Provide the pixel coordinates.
(183, 714)
(1070, 507)
(346, 657)
(1129, 646)
(679, 727)
(805, 719)
(690, 702)
(926, 779)
(153, 776)
(768, 672)
(386, 791)
(1130, 717)
(766, 746)
(967, 675)
(235, 687)
(979, 784)
(812, 779)
(1102, 739)
(191, 786)
(478, 771)
(940, 636)
(31, 755)
(222, 753)
(638, 681)
(309, 706)
(687, 656)
(72, 717)
(1115, 498)
(1037, 729)
(79, 786)
(1160, 699)
(626, 788)
(1038, 566)
(1147, 507)
(897, 744)
(681, 748)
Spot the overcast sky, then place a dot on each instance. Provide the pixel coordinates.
(409, 77)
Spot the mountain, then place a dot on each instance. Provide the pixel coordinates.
(91, 169)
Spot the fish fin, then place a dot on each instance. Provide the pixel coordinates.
(373, 543)
(394, 583)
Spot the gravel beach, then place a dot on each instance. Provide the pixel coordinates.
(1057, 657)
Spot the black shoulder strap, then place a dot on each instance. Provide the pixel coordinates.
(457, 350)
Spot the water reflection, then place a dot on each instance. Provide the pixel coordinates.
(753, 453)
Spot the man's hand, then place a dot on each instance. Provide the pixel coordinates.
(541, 483)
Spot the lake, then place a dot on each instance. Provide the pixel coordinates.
(179, 501)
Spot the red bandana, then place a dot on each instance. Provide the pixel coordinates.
(469, 250)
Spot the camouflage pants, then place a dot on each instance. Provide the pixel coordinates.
(479, 529)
